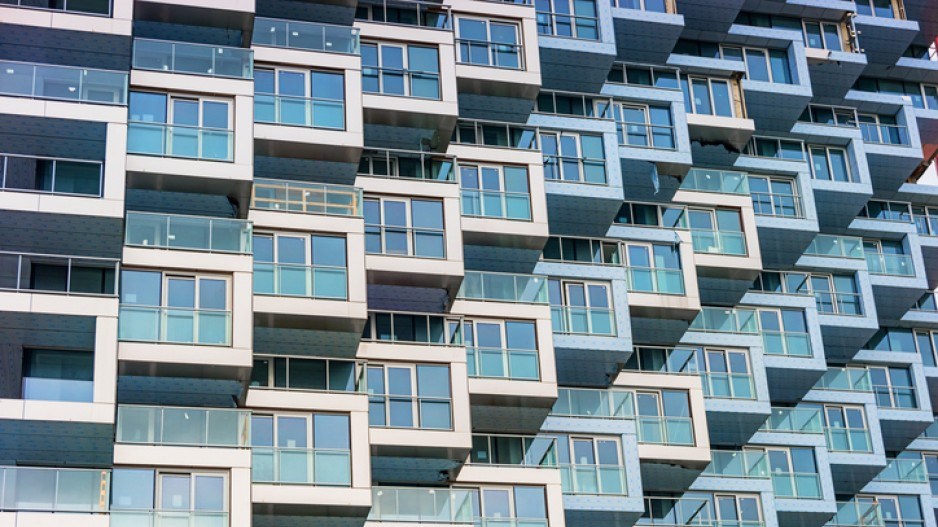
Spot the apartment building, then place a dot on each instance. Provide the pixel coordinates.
(523, 263)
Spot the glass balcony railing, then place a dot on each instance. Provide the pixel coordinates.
(421, 505)
(655, 280)
(794, 420)
(903, 471)
(665, 430)
(501, 54)
(725, 320)
(857, 514)
(496, 204)
(178, 426)
(589, 402)
(53, 273)
(750, 464)
(47, 389)
(840, 439)
(301, 466)
(645, 135)
(495, 363)
(593, 480)
(728, 243)
(503, 287)
(514, 450)
(85, 7)
(308, 112)
(846, 379)
(495, 134)
(569, 320)
(836, 246)
(309, 281)
(679, 512)
(305, 35)
(197, 59)
(63, 83)
(834, 303)
(787, 343)
(719, 385)
(307, 198)
(885, 134)
(797, 485)
(413, 328)
(407, 164)
(189, 142)
(196, 233)
(719, 181)
(54, 490)
(165, 518)
(890, 264)
(177, 325)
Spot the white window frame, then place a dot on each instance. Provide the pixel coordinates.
(710, 80)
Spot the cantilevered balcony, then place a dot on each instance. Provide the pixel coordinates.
(76, 496)
(886, 32)
(236, 16)
(646, 30)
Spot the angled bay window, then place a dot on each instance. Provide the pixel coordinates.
(501, 349)
(405, 70)
(300, 265)
(409, 396)
(174, 308)
(51, 175)
(775, 196)
(404, 227)
(579, 307)
(644, 126)
(709, 96)
(311, 98)
(574, 157)
(568, 18)
(653, 268)
(494, 43)
(495, 191)
(312, 449)
(180, 126)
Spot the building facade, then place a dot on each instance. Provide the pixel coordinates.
(282, 263)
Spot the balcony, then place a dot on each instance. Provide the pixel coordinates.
(716, 181)
(53, 82)
(846, 379)
(594, 480)
(192, 59)
(187, 233)
(425, 505)
(301, 466)
(174, 325)
(890, 264)
(723, 320)
(178, 141)
(646, 30)
(182, 427)
(53, 490)
(744, 464)
(830, 246)
(594, 403)
(794, 420)
(503, 287)
(306, 36)
(280, 195)
(901, 470)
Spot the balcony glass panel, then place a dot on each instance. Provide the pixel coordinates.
(797, 485)
(495, 363)
(654, 280)
(44, 389)
(190, 142)
(836, 246)
(796, 420)
(723, 320)
(728, 385)
(85, 7)
(48, 273)
(719, 242)
(306, 198)
(677, 512)
(503, 287)
(410, 13)
(413, 328)
(165, 518)
(885, 134)
(309, 281)
(583, 320)
(309, 112)
(197, 59)
(841, 439)
(788, 343)
(305, 35)
(421, 505)
(163, 425)
(54, 489)
(301, 466)
(586, 402)
(857, 514)
(719, 181)
(665, 430)
(738, 464)
(174, 325)
(904, 471)
(66, 83)
(595, 480)
(198, 233)
(890, 264)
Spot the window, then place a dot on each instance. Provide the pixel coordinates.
(409, 396)
(582, 250)
(717, 231)
(532, 451)
(642, 75)
(708, 96)
(502, 349)
(591, 465)
(784, 332)
(299, 97)
(726, 374)
(573, 157)
(877, 8)
(300, 265)
(653, 268)
(887, 211)
(925, 219)
(492, 505)
(413, 328)
(650, 215)
(55, 375)
(495, 134)
(179, 126)
(404, 227)
(893, 387)
(836, 294)
(644, 126)
(301, 448)
(846, 428)
(170, 307)
(735, 509)
(49, 175)
(794, 472)
(931, 467)
(789, 283)
(829, 163)
(422, 15)
(775, 148)
(489, 43)
(897, 511)
(664, 417)
(887, 257)
(665, 360)
(764, 65)
(922, 95)
(928, 302)
(556, 103)
(654, 6)
(883, 129)
(404, 70)
(169, 491)
(892, 339)
(775, 196)
(747, 18)
(495, 192)
(822, 35)
(299, 373)
(567, 18)
(581, 307)
(830, 115)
